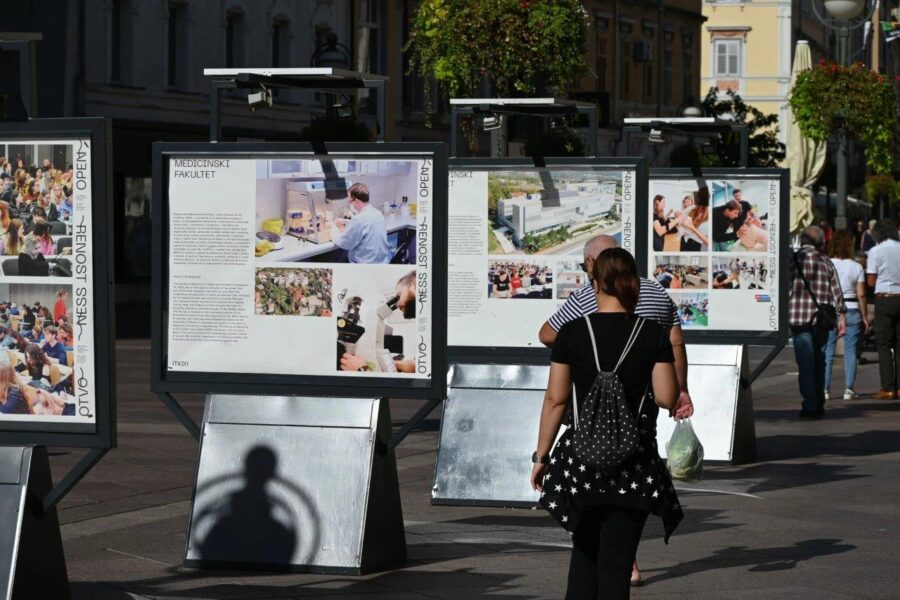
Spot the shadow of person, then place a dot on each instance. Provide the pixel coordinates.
(245, 528)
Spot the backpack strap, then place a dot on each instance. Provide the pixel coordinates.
(635, 332)
(593, 342)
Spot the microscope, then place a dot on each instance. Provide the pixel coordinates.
(388, 347)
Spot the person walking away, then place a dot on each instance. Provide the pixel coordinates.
(653, 303)
(814, 284)
(606, 510)
(868, 238)
(853, 288)
(883, 270)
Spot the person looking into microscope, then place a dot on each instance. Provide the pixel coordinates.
(405, 302)
(364, 237)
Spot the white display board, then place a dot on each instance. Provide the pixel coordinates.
(717, 245)
(47, 315)
(516, 243)
(298, 265)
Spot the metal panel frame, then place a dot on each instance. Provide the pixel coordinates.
(541, 356)
(755, 338)
(103, 433)
(162, 381)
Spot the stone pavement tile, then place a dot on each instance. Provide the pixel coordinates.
(792, 592)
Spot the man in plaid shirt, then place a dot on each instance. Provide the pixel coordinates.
(811, 263)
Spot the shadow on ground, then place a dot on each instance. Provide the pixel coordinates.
(760, 560)
(399, 584)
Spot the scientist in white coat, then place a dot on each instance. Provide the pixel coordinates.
(364, 237)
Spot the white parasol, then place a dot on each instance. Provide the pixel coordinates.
(806, 158)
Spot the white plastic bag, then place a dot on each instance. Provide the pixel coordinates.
(684, 452)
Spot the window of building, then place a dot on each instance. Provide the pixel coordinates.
(177, 60)
(281, 43)
(727, 57)
(648, 82)
(234, 39)
(120, 41)
(602, 29)
(687, 67)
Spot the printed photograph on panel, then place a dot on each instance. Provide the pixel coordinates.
(294, 292)
(682, 271)
(680, 217)
(551, 212)
(740, 215)
(520, 279)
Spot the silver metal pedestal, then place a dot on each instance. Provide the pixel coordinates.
(297, 484)
(489, 429)
(32, 563)
(490, 425)
(723, 408)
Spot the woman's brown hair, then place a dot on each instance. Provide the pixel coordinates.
(843, 245)
(615, 274)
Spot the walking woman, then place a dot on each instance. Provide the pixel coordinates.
(606, 511)
(853, 289)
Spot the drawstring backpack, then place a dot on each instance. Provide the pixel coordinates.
(605, 431)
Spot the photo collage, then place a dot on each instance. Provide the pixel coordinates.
(38, 329)
(710, 236)
(335, 242)
(538, 222)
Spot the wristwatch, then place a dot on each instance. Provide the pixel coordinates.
(537, 458)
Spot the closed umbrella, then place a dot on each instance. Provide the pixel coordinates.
(806, 158)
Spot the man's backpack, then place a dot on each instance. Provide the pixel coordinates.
(605, 432)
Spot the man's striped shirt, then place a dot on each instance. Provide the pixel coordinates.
(654, 303)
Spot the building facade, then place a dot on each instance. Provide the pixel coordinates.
(748, 47)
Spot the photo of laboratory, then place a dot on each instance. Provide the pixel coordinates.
(293, 292)
(376, 320)
(684, 271)
(522, 279)
(740, 216)
(551, 212)
(693, 308)
(37, 350)
(739, 273)
(336, 211)
(570, 277)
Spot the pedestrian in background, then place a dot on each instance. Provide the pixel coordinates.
(853, 288)
(883, 269)
(868, 239)
(814, 288)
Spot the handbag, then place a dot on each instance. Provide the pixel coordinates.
(825, 318)
(605, 433)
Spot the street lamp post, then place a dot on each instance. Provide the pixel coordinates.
(842, 17)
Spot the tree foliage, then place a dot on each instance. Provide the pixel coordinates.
(829, 98)
(517, 45)
(765, 150)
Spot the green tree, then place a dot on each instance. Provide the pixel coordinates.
(517, 46)
(764, 148)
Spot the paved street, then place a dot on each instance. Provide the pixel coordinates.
(818, 517)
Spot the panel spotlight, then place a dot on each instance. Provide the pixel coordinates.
(657, 136)
(343, 109)
(260, 99)
(491, 121)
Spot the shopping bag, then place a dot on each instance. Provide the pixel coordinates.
(684, 452)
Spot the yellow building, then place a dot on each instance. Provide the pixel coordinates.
(748, 47)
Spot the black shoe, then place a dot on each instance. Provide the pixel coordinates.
(812, 414)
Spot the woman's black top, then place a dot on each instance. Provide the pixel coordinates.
(641, 481)
(501, 283)
(658, 242)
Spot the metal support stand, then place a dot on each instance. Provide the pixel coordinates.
(490, 422)
(32, 562)
(296, 484)
(316, 79)
(489, 428)
(178, 411)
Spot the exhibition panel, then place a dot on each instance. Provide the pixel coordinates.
(56, 331)
(287, 269)
(719, 245)
(517, 230)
